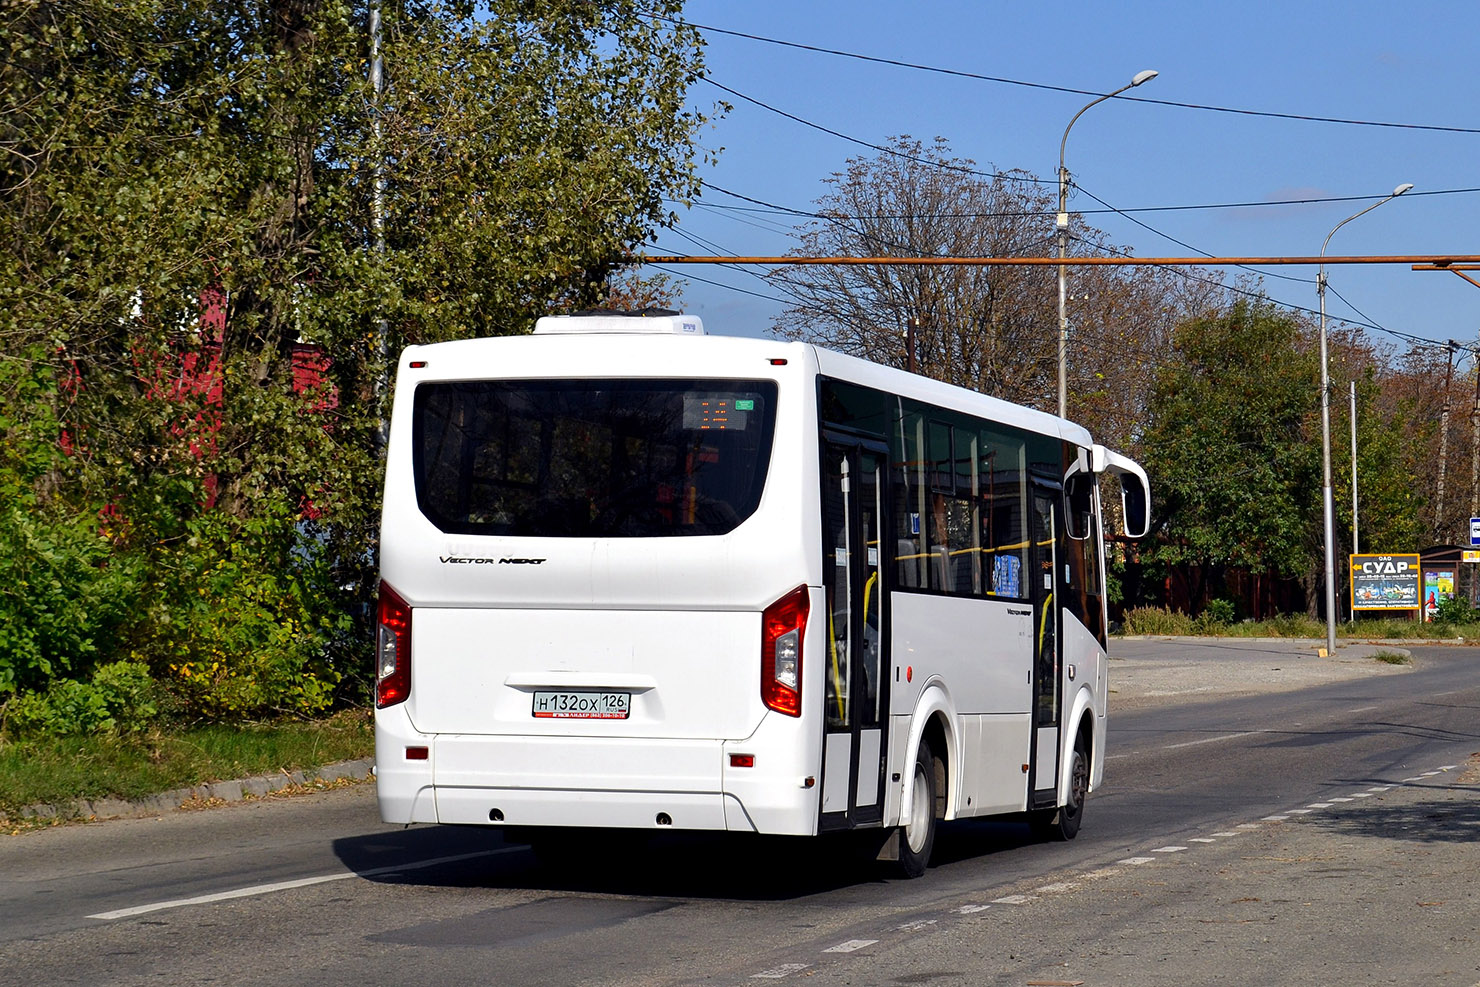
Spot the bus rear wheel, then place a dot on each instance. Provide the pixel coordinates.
(917, 836)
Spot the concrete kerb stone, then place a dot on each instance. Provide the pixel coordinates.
(225, 791)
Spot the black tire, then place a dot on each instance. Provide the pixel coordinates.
(1062, 824)
(917, 835)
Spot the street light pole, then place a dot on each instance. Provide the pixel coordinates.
(1063, 237)
(1328, 506)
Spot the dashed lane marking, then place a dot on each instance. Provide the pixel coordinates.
(1319, 805)
(1201, 839)
(1058, 887)
(970, 909)
(1012, 899)
(1169, 849)
(780, 972)
(1212, 740)
(851, 946)
(1136, 860)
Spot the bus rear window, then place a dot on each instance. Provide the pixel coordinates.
(592, 458)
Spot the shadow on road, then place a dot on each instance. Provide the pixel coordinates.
(1454, 819)
(681, 865)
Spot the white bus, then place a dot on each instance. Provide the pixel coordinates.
(639, 577)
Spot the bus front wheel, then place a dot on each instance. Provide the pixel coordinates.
(1063, 823)
(917, 836)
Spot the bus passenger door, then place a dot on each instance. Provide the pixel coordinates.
(853, 577)
(1043, 566)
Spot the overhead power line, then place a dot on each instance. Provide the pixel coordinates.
(946, 165)
(1304, 117)
(761, 207)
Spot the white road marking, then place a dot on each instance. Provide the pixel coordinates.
(1201, 839)
(303, 882)
(852, 945)
(1227, 832)
(970, 909)
(918, 925)
(1013, 899)
(1319, 805)
(1136, 860)
(1056, 887)
(778, 972)
(1298, 812)
(1249, 826)
(1381, 788)
(1340, 798)
(1361, 795)
(1447, 767)
(1275, 818)
(1361, 709)
(1169, 849)
(1209, 740)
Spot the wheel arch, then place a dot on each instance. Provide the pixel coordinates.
(934, 720)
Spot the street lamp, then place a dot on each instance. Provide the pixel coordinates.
(1063, 236)
(1327, 505)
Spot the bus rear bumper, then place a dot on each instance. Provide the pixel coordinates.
(627, 783)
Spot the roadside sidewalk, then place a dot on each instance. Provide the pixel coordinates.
(1148, 671)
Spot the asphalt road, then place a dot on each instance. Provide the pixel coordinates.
(314, 890)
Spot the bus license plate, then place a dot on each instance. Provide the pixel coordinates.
(582, 705)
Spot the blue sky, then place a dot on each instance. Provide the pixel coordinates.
(1354, 59)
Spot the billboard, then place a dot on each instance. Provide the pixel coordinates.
(1386, 582)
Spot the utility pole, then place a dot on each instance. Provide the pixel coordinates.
(377, 226)
(1443, 446)
(1355, 549)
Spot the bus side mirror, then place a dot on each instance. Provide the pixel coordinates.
(1135, 489)
(1135, 499)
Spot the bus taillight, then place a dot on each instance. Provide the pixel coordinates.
(783, 625)
(392, 650)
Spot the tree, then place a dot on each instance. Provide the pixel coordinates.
(187, 199)
(992, 329)
(1234, 454)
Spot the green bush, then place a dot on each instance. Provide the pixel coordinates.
(120, 697)
(1221, 611)
(1158, 621)
(245, 617)
(62, 596)
(1454, 611)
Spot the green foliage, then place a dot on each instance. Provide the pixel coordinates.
(1154, 621)
(1392, 658)
(1221, 611)
(1454, 611)
(1233, 469)
(120, 697)
(62, 597)
(244, 618)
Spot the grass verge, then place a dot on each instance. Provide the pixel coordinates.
(1392, 658)
(1156, 621)
(60, 770)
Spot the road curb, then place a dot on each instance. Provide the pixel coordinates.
(1303, 642)
(218, 791)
